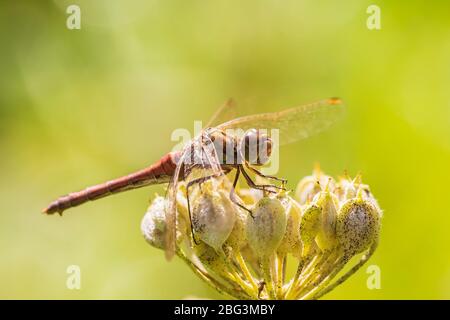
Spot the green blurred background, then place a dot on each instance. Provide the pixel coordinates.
(81, 106)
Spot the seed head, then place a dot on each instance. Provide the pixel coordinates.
(328, 204)
(245, 255)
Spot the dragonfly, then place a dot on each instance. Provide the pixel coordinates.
(216, 152)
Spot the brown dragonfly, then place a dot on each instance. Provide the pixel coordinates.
(216, 152)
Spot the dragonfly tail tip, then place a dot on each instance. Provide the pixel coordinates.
(51, 209)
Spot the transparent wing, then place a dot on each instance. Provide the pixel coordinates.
(226, 112)
(294, 123)
(171, 209)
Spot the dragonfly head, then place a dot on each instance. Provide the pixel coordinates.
(256, 147)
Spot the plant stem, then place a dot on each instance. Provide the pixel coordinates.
(361, 262)
(241, 262)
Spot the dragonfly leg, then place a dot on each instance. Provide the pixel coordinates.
(263, 187)
(233, 197)
(259, 173)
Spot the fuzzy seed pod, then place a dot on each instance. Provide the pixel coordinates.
(213, 217)
(358, 225)
(309, 227)
(267, 227)
(291, 241)
(329, 204)
(153, 224)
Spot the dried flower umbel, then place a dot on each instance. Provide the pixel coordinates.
(247, 257)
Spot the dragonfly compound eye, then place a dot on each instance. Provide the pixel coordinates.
(256, 147)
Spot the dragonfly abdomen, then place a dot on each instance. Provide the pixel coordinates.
(160, 172)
